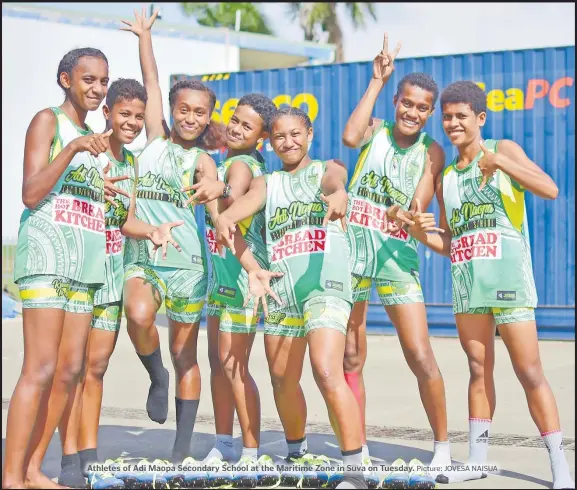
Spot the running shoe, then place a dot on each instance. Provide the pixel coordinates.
(143, 479)
(371, 478)
(419, 476)
(103, 479)
(219, 475)
(398, 477)
(291, 475)
(246, 475)
(174, 478)
(267, 474)
(194, 477)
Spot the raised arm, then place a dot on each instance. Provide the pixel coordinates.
(512, 160)
(40, 175)
(153, 115)
(361, 126)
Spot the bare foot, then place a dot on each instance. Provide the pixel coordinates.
(13, 485)
(40, 480)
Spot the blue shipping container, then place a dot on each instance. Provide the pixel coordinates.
(531, 100)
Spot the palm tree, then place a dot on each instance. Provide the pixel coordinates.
(317, 16)
(224, 15)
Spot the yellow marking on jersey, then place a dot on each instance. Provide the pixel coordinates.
(513, 201)
(361, 161)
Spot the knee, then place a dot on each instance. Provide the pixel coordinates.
(96, 368)
(41, 374)
(531, 375)
(423, 364)
(477, 368)
(139, 315)
(182, 360)
(326, 378)
(355, 357)
(70, 372)
(215, 364)
(282, 383)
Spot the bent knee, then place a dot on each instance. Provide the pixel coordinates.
(282, 383)
(96, 369)
(139, 314)
(327, 379)
(423, 364)
(355, 357)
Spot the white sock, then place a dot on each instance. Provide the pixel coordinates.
(479, 430)
(223, 449)
(441, 458)
(479, 440)
(365, 452)
(299, 446)
(249, 452)
(559, 467)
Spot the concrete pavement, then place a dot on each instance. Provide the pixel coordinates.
(397, 424)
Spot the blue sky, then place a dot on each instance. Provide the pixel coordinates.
(424, 28)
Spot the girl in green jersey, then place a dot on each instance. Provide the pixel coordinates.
(172, 163)
(308, 249)
(231, 326)
(59, 260)
(124, 114)
(483, 229)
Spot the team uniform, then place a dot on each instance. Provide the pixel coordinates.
(385, 175)
(490, 250)
(316, 286)
(108, 299)
(61, 243)
(229, 285)
(181, 278)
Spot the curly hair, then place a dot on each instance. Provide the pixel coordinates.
(421, 80)
(125, 89)
(262, 105)
(292, 111)
(70, 60)
(465, 92)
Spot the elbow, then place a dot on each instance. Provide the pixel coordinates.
(553, 192)
(350, 139)
(29, 201)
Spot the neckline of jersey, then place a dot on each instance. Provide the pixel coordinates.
(390, 126)
(299, 171)
(84, 132)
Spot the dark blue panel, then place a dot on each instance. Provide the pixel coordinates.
(531, 100)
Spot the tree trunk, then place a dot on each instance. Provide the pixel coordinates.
(304, 14)
(335, 32)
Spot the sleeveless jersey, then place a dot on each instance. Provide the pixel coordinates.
(313, 258)
(385, 175)
(490, 251)
(164, 169)
(230, 280)
(115, 217)
(64, 234)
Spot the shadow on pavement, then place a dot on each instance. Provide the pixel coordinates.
(138, 442)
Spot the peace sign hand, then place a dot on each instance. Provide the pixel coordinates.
(141, 24)
(487, 165)
(110, 190)
(383, 64)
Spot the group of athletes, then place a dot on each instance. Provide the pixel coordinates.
(294, 244)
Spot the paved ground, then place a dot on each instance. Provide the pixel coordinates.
(397, 425)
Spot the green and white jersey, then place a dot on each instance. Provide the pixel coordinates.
(313, 258)
(490, 251)
(229, 279)
(115, 217)
(164, 169)
(385, 175)
(64, 234)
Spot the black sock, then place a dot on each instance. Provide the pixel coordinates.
(70, 474)
(185, 419)
(157, 402)
(87, 457)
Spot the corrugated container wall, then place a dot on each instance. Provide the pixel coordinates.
(530, 99)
